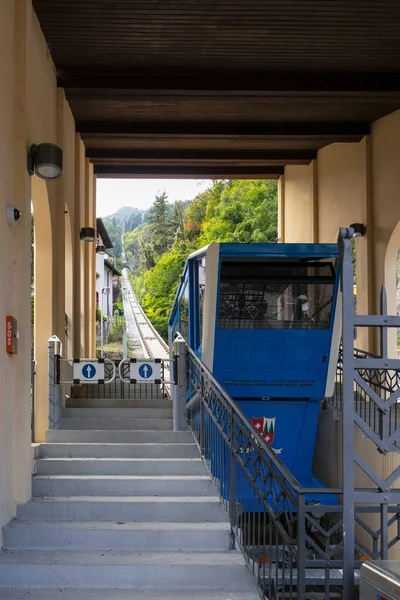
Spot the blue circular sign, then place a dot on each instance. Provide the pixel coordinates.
(89, 371)
(145, 371)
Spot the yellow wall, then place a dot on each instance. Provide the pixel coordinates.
(32, 110)
(385, 209)
(355, 182)
(300, 224)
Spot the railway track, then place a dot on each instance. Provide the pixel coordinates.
(153, 346)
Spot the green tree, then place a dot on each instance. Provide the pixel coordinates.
(159, 222)
(242, 211)
(229, 211)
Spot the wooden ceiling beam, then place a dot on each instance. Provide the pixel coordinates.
(330, 132)
(269, 157)
(229, 81)
(189, 172)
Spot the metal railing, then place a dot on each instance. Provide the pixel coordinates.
(382, 382)
(292, 543)
(115, 387)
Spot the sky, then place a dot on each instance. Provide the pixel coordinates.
(112, 194)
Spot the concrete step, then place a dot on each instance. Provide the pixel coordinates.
(188, 537)
(119, 436)
(151, 402)
(63, 450)
(106, 594)
(121, 413)
(121, 466)
(124, 570)
(122, 485)
(115, 423)
(188, 509)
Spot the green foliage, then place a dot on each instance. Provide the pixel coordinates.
(159, 221)
(119, 307)
(241, 211)
(160, 284)
(116, 331)
(229, 211)
(115, 230)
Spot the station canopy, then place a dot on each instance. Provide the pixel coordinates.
(221, 88)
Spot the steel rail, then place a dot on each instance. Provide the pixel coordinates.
(136, 308)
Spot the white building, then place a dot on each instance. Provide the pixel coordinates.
(105, 270)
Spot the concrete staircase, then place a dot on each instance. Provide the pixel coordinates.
(123, 508)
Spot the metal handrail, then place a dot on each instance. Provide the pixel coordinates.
(271, 517)
(242, 417)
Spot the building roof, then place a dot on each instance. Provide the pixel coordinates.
(112, 268)
(101, 228)
(221, 88)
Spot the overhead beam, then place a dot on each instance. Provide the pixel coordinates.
(180, 172)
(217, 80)
(269, 157)
(346, 132)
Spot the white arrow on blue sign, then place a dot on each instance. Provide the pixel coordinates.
(89, 371)
(145, 371)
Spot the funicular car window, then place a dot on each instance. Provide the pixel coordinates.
(279, 295)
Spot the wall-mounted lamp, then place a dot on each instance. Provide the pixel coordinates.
(88, 234)
(359, 229)
(100, 249)
(45, 160)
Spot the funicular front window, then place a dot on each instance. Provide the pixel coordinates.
(275, 295)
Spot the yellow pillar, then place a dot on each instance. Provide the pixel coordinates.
(385, 210)
(17, 454)
(300, 205)
(92, 315)
(90, 260)
(79, 253)
(344, 198)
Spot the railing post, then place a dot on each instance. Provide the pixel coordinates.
(179, 353)
(301, 548)
(347, 274)
(232, 481)
(202, 432)
(54, 390)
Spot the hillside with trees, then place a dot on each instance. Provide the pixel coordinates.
(157, 247)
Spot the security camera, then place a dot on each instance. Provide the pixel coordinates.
(12, 214)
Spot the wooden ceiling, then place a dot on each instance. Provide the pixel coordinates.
(221, 88)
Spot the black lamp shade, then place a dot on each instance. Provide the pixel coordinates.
(88, 234)
(100, 249)
(46, 160)
(359, 229)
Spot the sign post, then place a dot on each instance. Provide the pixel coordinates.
(180, 384)
(54, 389)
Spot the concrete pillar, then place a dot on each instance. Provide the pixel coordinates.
(79, 252)
(90, 260)
(300, 222)
(92, 316)
(281, 209)
(17, 265)
(344, 198)
(385, 211)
